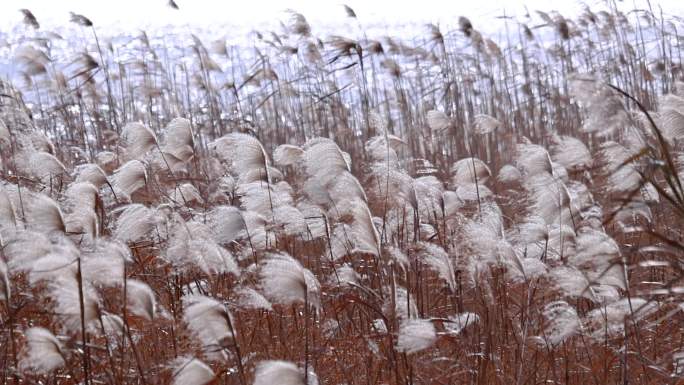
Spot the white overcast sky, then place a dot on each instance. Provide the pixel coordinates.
(145, 13)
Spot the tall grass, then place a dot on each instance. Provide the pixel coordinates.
(345, 210)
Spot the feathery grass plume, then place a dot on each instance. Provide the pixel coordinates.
(438, 120)
(561, 243)
(186, 194)
(349, 11)
(469, 171)
(259, 237)
(649, 193)
(5, 288)
(107, 160)
(287, 155)
(383, 148)
(30, 19)
(59, 262)
(473, 193)
(249, 298)
(324, 160)
(344, 186)
(8, 215)
(438, 259)
(580, 196)
(110, 249)
(364, 233)
(5, 135)
(90, 173)
(141, 299)
(222, 190)
(190, 244)
(64, 292)
(465, 25)
(81, 194)
(82, 200)
(560, 172)
(44, 166)
(632, 211)
(550, 199)
(130, 177)
(80, 20)
(623, 177)
(37, 141)
(570, 281)
(387, 183)
(316, 219)
(289, 221)
(32, 60)
(281, 372)
(341, 242)
(191, 371)
(23, 247)
(593, 218)
(104, 268)
(285, 281)
(405, 305)
(165, 163)
(520, 268)
(258, 175)
(134, 223)
(428, 193)
(42, 353)
(605, 112)
(485, 228)
(178, 139)
(243, 153)
(487, 246)
(416, 335)
(113, 325)
(485, 124)
(670, 117)
(427, 231)
(533, 229)
(138, 139)
(532, 159)
(210, 322)
(347, 275)
(452, 204)
(571, 153)
(562, 322)
(598, 255)
(262, 198)
(460, 321)
(609, 320)
(298, 24)
(83, 223)
(44, 214)
(226, 223)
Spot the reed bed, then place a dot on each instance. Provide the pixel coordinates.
(444, 208)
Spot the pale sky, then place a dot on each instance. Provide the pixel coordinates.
(145, 13)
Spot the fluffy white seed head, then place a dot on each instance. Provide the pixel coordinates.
(141, 299)
(191, 371)
(416, 335)
(43, 352)
(209, 321)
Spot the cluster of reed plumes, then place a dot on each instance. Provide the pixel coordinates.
(345, 210)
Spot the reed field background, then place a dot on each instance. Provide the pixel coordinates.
(409, 204)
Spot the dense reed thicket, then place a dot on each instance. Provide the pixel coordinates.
(445, 209)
